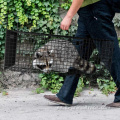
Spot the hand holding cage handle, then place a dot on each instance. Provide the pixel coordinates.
(58, 28)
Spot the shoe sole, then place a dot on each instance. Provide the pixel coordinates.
(60, 103)
(113, 106)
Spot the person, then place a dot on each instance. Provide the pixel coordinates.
(95, 21)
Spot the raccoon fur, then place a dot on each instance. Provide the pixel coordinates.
(59, 55)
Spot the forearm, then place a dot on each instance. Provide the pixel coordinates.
(66, 22)
(76, 4)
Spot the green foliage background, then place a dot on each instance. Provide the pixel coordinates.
(31, 15)
(41, 16)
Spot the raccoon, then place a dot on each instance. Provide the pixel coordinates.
(60, 55)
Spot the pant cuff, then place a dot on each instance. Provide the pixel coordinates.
(63, 100)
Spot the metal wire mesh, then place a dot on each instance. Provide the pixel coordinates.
(44, 52)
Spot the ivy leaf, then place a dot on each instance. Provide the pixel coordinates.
(32, 0)
(44, 29)
(55, 10)
(48, 8)
(39, 4)
(37, 1)
(46, 4)
(1, 1)
(1, 36)
(16, 20)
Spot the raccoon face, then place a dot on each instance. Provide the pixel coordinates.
(43, 59)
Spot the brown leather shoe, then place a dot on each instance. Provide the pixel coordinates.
(117, 104)
(55, 99)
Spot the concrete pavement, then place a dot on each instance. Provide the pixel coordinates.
(23, 104)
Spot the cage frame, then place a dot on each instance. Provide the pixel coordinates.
(8, 63)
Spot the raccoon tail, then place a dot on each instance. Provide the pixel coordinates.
(86, 66)
(90, 68)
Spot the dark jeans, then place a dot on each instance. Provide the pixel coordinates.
(94, 21)
(116, 5)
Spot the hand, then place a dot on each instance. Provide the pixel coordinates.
(66, 22)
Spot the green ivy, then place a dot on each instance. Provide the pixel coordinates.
(107, 86)
(52, 82)
(116, 21)
(2, 41)
(40, 16)
(30, 15)
(66, 4)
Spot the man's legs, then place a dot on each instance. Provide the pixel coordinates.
(67, 91)
(96, 22)
(102, 19)
(116, 5)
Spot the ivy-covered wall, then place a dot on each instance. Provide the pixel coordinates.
(36, 16)
(44, 16)
(31, 15)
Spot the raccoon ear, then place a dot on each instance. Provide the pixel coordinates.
(38, 55)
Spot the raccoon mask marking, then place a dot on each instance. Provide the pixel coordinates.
(43, 59)
(60, 55)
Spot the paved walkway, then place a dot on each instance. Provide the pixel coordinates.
(25, 105)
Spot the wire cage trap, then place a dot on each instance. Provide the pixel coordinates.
(35, 52)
